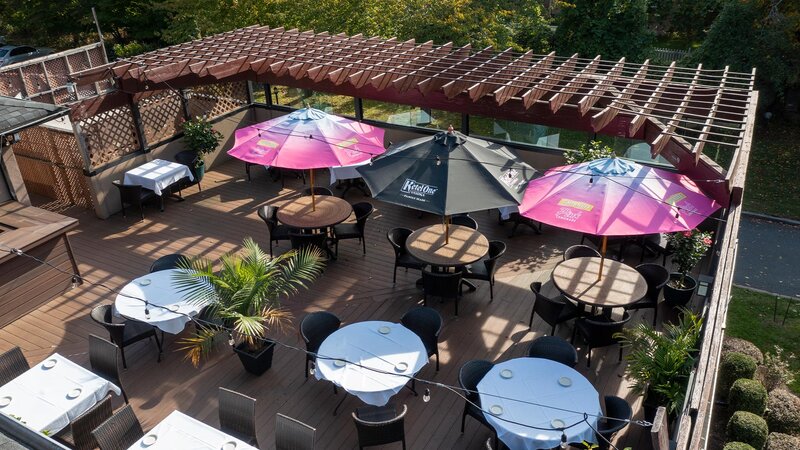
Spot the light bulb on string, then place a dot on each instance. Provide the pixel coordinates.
(312, 369)
(231, 341)
(75, 281)
(426, 397)
(438, 161)
(563, 440)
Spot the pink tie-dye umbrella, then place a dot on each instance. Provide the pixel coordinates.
(307, 139)
(616, 197)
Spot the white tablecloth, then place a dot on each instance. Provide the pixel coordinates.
(362, 343)
(39, 397)
(160, 292)
(178, 431)
(346, 172)
(536, 380)
(506, 211)
(157, 175)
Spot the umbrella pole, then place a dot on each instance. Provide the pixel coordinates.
(313, 199)
(602, 258)
(446, 230)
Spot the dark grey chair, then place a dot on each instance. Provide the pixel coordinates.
(318, 190)
(79, 433)
(291, 434)
(188, 159)
(470, 374)
(135, 196)
(553, 311)
(444, 285)
(379, 425)
(314, 329)
(397, 238)
(618, 413)
(486, 268)
(169, 262)
(656, 277)
(12, 365)
(125, 333)
(600, 331)
(580, 251)
(318, 241)
(465, 221)
(269, 214)
(119, 431)
(103, 359)
(427, 324)
(555, 349)
(237, 415)
(354, 230)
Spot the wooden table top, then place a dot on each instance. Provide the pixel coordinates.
(465, 245)
(329, 211)
(620, 285)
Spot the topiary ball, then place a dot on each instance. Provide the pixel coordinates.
(733, 366)
(780, 441)
(783, 412)
(748, 395)
(732, 344)
(748, 428)
(737, 446)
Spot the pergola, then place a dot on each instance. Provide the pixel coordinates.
(679, 111)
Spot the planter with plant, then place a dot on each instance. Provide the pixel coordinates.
(588, 152)
(659, 363)
(689, 247)
(201, 139)
(243, 300)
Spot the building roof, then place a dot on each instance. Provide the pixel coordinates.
(16, 114)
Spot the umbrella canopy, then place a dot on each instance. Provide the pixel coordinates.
(616, 197)
(307, 139)
(448, 173)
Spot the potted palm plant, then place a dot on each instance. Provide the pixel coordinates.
(689, 247)
(243, 299)
(201, 138)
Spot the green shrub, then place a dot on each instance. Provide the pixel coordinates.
(780, 441)
(732, 344)
(737, 446)
(748, 395)
(733, 366)
(783, 412)
(749, 428)
(776, 370)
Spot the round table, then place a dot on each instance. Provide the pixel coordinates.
(329, 211)
(464, 246)
(620, 285)
(363, 343)
(157, 288)
(536, 380)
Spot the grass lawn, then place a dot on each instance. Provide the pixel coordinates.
(773, 185)
(750, 318)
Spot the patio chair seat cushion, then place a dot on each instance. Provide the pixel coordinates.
(135, 330)
(346, 231)
(476, 270)
(407, 260)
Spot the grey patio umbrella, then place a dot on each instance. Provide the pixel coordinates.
(448, 173)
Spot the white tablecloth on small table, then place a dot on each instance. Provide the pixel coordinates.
(39, 397)
(157, 175)
(362, 343)
(346, 172)
(160, 292)
(536, 380)
(178, 431)
(506, 211)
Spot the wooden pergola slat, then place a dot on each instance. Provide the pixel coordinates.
(550, 81)
(604, 117)
(589, 100)
(511, 88)
(701, 140)
(558, 100)
(659, 143)
(652, 101)
(483, 87)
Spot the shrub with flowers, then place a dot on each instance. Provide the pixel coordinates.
(688, 248)
(585, 153)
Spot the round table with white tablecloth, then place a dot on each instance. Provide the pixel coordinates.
(167, 307)
(388, 347)
(547, 391)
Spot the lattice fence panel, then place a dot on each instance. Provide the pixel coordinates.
(96, 56)
(34, 78)
(162, 116)
(57, 71)
(216, 99)
(110, 135)
(11, 84)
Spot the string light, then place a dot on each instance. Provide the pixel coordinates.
(312, 369)
(75, 282)
(563, 439)
(426, 397)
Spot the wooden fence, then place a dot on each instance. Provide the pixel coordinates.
(665, 56)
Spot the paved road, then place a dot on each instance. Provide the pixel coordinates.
(769, 256)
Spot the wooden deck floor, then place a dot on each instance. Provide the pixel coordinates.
(355, 287)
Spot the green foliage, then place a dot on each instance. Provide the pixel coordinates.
(781, 441)
(747, 427)
(660, 362)
(683, 20)
(783, 412)
(734, 344)
(245, 293)
(748, 395)
(737, 446)
(689, 247)
(732, 367)
(771, 186)
(132, 48)
(776, 371)
(200, 137)
(588, 152)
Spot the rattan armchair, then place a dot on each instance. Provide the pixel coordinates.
(486, 268)
(269, 214)
(397, 238)
(125, 333)
(553, 348)
(317, 190)
(379, 425)
(354, 230)
(291, 434)
(103, 359)
(465, 221)
(427, 324)
(618, 413)
(12, 365)
(79, 433)
(580, 251)
(136, 196)
(656, 277)
(553, 311)
(444, 285)
(315, 328)
(168, 262)
(237, 415)
(119, 431)
(470, 374)
(600, 331)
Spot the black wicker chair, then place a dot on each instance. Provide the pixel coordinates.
(599, 331)
(169, 262)
(470, 374)
(135, 196)
(618, 413)
(398, 237)
(444, 285)
(658, 244)
(315, 328)
(188, 159)
(125, 333)
(12, 365)
(269, 214)
(318, 190)
(427, 324)
(237, 415)
(553, 311)
(354, 230)
(656, 277)
(103, 359)
(465, 221)
(518, 219)
(317, 241)
(555, 349)
(485, 268)
(79, 433)
(580, 251)
(379, 425)
(119, 431)
(291, 434)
